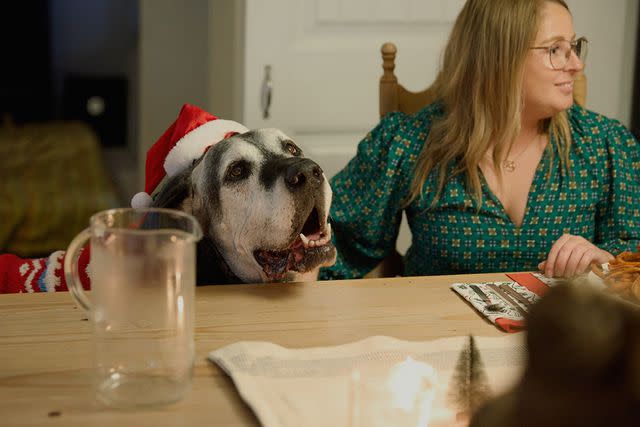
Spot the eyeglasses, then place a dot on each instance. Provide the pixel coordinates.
(560, 52)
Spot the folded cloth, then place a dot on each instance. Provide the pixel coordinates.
(535, 282)
(314, 386)
(509, 318)
(530, 285)
(540, 284)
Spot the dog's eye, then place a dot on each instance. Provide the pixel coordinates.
(237, 171)
(291, 148)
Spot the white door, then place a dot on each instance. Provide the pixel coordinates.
(325, 65)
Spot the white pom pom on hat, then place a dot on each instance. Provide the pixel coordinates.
(183, 142)
(141, 200)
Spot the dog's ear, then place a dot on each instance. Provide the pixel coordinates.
(176, 192)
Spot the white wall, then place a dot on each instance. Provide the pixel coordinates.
(611, 28)
(226, 59)
(173, 66)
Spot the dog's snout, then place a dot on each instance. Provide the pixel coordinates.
(303, 173)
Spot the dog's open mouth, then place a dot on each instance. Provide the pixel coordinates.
(309, 249)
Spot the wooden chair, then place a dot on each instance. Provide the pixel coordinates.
(395, 97)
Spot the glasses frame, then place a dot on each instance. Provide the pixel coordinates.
(573, 48)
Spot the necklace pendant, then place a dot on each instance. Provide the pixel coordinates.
(509, 165)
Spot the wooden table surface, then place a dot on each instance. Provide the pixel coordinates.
(45, 346)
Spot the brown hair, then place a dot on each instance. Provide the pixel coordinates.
(480, 86)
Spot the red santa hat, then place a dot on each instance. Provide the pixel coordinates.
(186, 140)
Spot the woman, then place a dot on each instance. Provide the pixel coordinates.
(503, 173)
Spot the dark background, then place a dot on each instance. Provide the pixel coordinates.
(59, 54)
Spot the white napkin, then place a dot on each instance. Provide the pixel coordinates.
(312, 386)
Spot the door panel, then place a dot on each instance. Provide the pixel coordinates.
(325, 66)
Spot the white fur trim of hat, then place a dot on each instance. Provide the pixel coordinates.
(192, 145)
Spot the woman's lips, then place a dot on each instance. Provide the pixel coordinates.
(565, 87)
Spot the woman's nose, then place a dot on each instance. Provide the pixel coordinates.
(574, 63)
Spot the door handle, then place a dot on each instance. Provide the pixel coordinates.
(265, 95)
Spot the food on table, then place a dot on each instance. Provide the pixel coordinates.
(622, 275)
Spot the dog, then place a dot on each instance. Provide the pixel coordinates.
(583, 365)
(263, 208)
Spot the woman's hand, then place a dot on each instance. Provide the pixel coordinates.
(571, 255)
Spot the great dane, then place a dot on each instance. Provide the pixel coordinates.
(262, 205)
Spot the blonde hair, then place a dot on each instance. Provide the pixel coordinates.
(480, 87)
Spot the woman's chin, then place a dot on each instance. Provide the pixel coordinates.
(562, 104)
(567, 101)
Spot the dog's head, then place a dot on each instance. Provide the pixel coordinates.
(261, 204)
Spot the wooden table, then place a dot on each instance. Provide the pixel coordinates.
(45, 346)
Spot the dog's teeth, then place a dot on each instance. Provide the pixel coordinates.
(305, 239)
(326, 234)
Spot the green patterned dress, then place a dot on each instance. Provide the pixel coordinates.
(600, 202)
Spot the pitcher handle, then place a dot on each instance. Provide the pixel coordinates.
(71, 273)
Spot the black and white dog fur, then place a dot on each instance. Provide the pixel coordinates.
(263, 208)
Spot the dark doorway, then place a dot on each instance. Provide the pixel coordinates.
(25, 76)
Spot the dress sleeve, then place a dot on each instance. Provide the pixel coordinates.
(618, 215)
(367, 198)
(18, 275)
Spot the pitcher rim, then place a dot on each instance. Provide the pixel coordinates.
(196, 233)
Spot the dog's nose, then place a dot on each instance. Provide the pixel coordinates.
(303, 173)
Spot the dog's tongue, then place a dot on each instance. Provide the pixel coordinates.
(274, 263)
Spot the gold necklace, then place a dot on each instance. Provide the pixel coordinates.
(510, 164)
